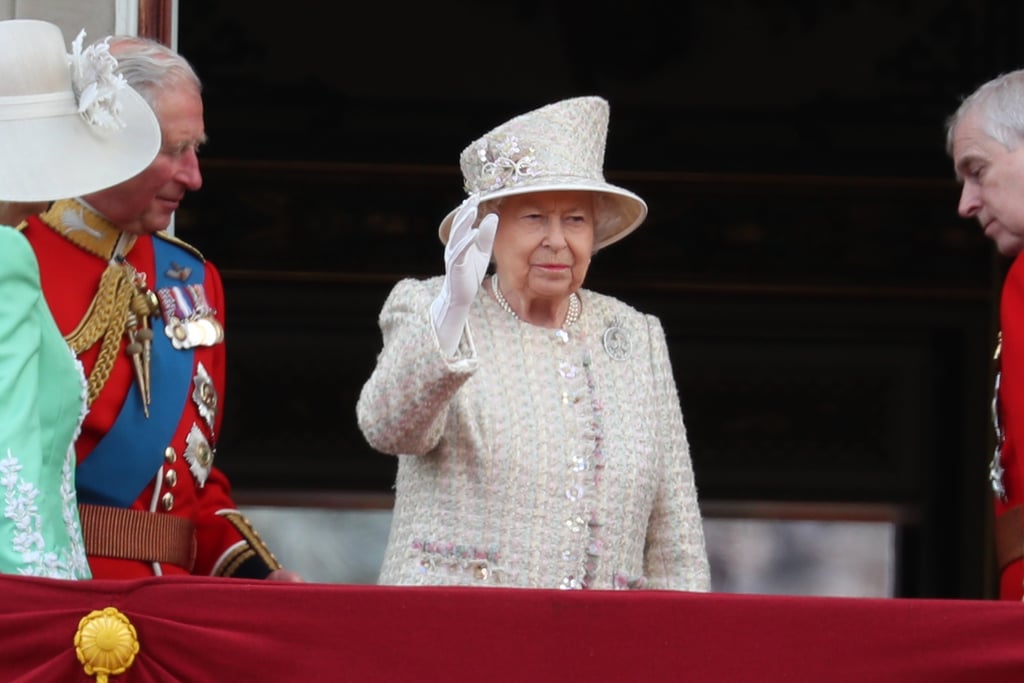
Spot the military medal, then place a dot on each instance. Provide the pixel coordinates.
(204, 395)
(195, 334)
(199, 455)
(174, 327)
(208, 334)
(188, 319)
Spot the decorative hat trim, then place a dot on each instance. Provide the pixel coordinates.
(96, 83)
(557, 147)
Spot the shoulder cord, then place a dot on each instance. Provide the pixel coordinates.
(107, 318)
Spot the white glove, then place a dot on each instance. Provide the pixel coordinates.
(465, 261)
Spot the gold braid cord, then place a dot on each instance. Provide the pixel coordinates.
(106, 319)
(229, 565)
(121, 306)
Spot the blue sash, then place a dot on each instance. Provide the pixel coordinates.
(129, 456)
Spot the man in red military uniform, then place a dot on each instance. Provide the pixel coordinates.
(984, 138)
(145, 314)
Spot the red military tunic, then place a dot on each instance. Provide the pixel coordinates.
(172, 449)
(1009, 524)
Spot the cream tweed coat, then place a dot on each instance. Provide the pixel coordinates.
(529, 460)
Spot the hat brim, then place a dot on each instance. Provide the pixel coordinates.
(630, 209)
(64, 156)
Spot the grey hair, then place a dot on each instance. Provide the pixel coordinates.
(606, 216)
(1000, 102)
(150, 66)
(13, 213)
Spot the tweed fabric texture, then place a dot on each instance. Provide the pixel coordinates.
(560, 143)
(557, 147)
(530, 461)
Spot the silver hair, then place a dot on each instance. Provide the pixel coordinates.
(1000, 103)
(605, 214)
(150, 66)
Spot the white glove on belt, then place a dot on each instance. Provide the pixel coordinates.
(465, 261)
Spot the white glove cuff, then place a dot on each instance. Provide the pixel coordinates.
(449, 323)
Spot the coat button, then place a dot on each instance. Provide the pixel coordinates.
(169, 455)
(167, 501)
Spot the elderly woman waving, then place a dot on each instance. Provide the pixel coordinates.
(539, 433)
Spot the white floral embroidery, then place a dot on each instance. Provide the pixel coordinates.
(21, 507)
(78, 560)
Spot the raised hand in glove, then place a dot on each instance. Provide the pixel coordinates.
(465, 261)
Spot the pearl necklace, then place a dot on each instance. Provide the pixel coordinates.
(570, 318)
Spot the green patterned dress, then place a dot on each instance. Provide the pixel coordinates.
(41, 410)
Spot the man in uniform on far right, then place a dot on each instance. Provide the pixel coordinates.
(985, 138)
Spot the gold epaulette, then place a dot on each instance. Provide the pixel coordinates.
(181, 243)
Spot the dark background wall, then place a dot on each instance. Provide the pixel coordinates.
(829, 315)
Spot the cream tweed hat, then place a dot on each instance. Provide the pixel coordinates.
(69, 124)
(557, 147)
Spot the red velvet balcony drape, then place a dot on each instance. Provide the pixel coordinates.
(218, 630)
